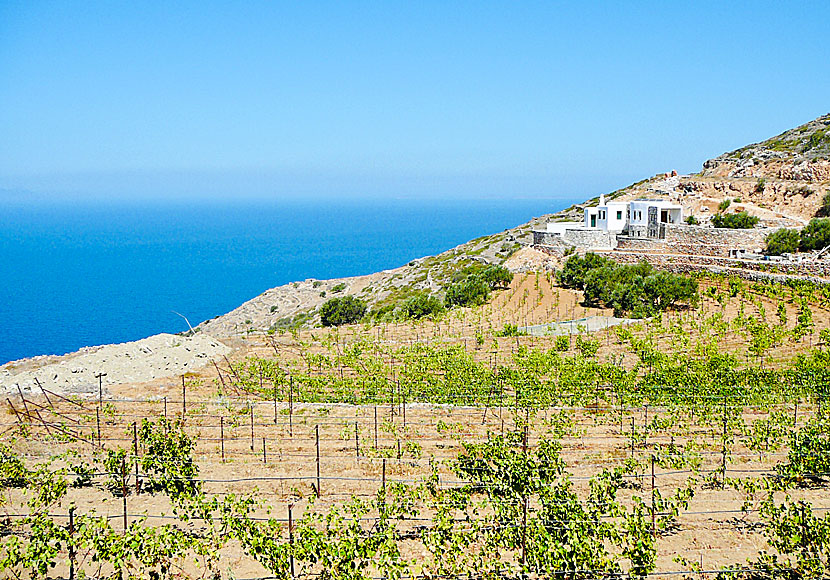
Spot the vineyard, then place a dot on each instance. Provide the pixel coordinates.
(692, 444)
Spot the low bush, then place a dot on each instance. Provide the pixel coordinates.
(783, 241)
(345, 310)
(472, 286)
(815, 235)
(736, 221)
(636, 289)
(420, 306)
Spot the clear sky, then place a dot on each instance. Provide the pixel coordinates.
(394, 98)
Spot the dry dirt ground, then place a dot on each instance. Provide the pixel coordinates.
(713, 531)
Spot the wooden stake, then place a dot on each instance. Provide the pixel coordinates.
(135, 450)
(356, 442)
(291, 535)
(376, 426)
(317, 445)
(98, 422)
(653, 500)
(251, 408)
(124, 491)
(222, 436)
(71, 543)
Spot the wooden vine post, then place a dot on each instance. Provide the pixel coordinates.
(222, 436)
(135, 451)
(124, 491)
(251, 409)
(653, 500)
(317, 447)
(71, 543)
(291, 536)
(291, 407)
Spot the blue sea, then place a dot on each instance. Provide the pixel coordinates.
(88, 273)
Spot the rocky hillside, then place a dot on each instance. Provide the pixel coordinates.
(781, 180)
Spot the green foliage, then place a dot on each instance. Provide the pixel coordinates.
(783, 241)
(815, 235)
(420, 306)
(345, 310)
(13, 472)
(809, 454)
(472, 286)
(800, 540)
(510, 330)
(167, 459)
(338, 287)
(636, 289)
(471, 291)
(692, 220)
(735, 221)
(572, 274)
(724, 205)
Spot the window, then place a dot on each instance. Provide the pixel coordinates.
(619, 214)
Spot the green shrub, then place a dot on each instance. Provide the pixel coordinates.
(573, 273)
(783, 241)
(637, 289)
(736, 221)
(421, 305)
(510, 330)
(496, 276)
(815, 235)
(345, 310)
(471, 291)
(724, 205)
(692, 220)
(561, 343)
(338, 288)
(472, 285)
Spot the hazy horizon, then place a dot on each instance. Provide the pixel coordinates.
(265, 99)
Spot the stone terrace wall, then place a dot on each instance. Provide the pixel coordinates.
(680, 239)
(817, 272)
(582, 239)
(683, 239)
(591, 239)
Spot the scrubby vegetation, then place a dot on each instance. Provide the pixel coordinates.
(783, 241)
(472, 286)
(339, 311)
(740, 220)
(814, 236)
(637, 290)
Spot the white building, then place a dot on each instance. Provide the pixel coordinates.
(640, 218)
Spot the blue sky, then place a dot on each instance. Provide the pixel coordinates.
(429, 99)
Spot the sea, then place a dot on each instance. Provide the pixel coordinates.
(82, 273)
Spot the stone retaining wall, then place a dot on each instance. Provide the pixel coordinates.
(817, 272)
